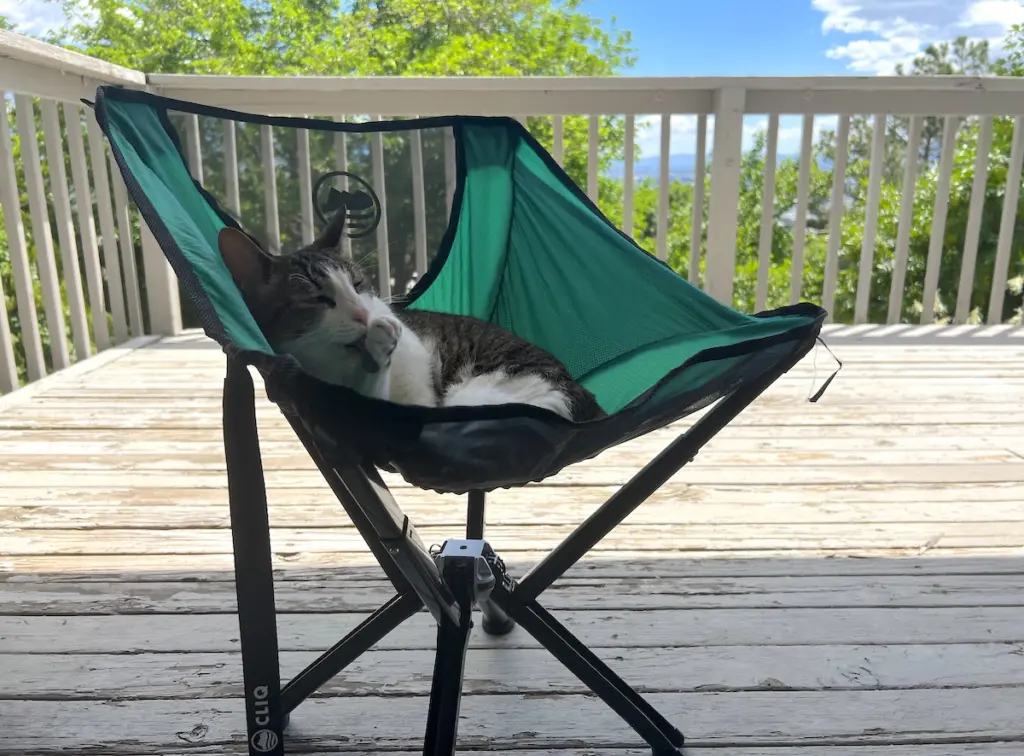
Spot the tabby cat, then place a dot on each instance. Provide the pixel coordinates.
(317, 305)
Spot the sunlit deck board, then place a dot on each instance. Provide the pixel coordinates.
(732, 597)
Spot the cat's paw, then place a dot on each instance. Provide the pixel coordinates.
(382, 336)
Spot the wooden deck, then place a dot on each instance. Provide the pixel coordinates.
(848, 573)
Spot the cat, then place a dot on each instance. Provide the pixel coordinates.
(316, 305)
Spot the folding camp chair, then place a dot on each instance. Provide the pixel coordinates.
(526, 249)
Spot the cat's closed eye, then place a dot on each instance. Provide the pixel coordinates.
(326, 301)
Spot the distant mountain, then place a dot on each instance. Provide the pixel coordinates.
(681, 167)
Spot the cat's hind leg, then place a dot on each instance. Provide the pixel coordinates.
(501, 388)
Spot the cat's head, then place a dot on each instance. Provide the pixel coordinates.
(315, 292)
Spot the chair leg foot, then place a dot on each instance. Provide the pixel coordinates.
(495, 620)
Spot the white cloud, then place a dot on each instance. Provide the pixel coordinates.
(35, 17)
(888, 32)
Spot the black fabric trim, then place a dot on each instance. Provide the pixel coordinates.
(370, 127)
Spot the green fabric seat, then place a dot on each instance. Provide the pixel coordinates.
(525, 249)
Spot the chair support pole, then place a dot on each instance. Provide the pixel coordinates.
(640, 487)
(475, 515)
(370, 631)
(658, 732)
(496, 620)
(449, 664)
(254, 576)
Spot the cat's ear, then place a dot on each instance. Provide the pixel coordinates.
(330, 238)
(250, 266)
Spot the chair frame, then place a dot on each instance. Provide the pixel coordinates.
(446, 591)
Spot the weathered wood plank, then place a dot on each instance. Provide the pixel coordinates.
(52, 457)
(119, 677)
(833, 499)
(623, 562)
(511, 538)
(344, 593)
(599, 471)
(980, 748)
(214, 633)
(808, 718)
(76, 415)
(207, 448)
(277, 432)
(623, 565)
(166, 508)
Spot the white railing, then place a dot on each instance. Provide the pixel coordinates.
(973, 118)
(71, 252)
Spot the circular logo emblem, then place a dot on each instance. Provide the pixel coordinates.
(264, 741)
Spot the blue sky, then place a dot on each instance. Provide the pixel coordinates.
(796, 37)
(723, 37)
(750, 38)
(788, 38)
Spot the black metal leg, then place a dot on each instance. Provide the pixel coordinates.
(446, 688)
(646, 482)
(496, 621)
(450, 660)
(659, 733)
(475, 512)
(348, 649)
(254, 576)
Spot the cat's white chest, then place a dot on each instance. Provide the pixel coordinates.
(413, 371)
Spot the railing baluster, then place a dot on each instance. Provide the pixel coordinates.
(162, 297)
(558, 139)
(720, 267)
(341, 164)
(111, 266)
(419, 207)
(231, 168)
(87, 226)
(122, 212)
(803, 190)
(764, 247)
(628, 176)
(270, 187)
(8, 367)
(899, 268)
(835, 216)
(383, 250)
(593, 142)
(973, 232)
(41, 235)
(449, 169)
(10, 198)
(1001, 268)
(938, 231)
(867, 247)
(193, 147)
(661, 244)
(65, 228)
(305, 185)
(697, 211)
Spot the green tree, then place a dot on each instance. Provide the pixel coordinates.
(362, 37)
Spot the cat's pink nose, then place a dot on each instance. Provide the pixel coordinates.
(360, 316)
